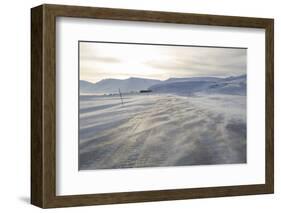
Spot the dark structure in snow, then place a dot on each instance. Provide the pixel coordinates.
(145, 91)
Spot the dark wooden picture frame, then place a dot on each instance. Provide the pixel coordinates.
(43, 105)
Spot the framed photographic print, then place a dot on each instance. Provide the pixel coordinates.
(136, 106)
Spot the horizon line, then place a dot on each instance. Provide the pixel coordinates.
(163, 80)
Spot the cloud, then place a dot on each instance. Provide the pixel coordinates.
(117, 60)
(99, 59)
(205, 61)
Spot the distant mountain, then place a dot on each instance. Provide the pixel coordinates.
(172, 80)
(235, 85)
(86, 86)
(240, 78)
(113, 85)
(230, 85)
(184, 87)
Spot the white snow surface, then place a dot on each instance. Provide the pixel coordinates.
(161, 129)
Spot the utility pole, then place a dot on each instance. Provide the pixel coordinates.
(121, 96)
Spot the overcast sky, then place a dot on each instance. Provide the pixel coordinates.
(112, 60)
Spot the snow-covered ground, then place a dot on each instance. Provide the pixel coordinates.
(160, 129)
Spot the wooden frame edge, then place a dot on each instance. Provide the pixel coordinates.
(269, 118)
(36, 106)
(153, 196)
(43, 106)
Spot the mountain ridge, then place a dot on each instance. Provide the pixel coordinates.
(235, 84)
(113, 85)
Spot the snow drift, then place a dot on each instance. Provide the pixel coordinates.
(168, 127)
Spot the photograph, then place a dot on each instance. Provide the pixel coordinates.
(140, 105)
(161, 105)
